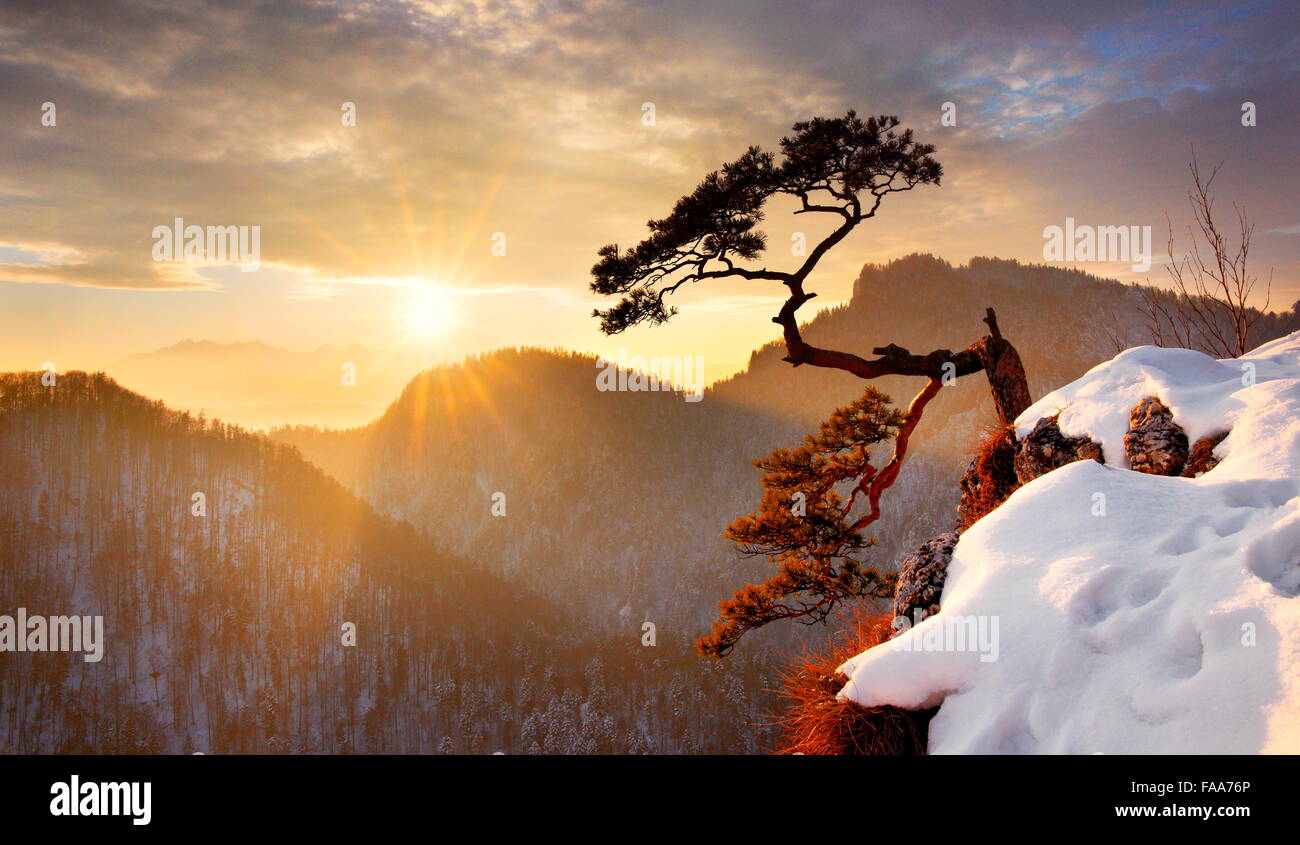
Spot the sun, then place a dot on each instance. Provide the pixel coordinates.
(428, 313)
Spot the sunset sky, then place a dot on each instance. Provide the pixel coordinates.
(526, 118)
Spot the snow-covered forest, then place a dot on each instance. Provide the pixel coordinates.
(225, 622)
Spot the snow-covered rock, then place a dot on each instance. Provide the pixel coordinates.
(921, 576)
(1155, 443)
(1105, 610)
(1046, 448)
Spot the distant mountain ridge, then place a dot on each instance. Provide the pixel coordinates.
(619, 500)
(260, 386)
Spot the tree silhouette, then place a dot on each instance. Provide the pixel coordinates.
(1209, 308)
(843, 167)
(828, 164)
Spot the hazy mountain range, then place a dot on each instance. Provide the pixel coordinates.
(617, 501)
(503, 534)
(228, 571)
(259, 386)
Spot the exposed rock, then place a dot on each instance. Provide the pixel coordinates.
(921, 576)
(1046, 448)
(990, 478)
(1155, 444)
(1202, 458)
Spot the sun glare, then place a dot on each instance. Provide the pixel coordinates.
(428, 313)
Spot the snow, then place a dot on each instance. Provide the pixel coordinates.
(1134, 613)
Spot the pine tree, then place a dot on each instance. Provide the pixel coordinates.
(806, 527)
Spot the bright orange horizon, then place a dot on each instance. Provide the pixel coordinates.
(460, 211)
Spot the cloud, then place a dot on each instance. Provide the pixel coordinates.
(525, 119)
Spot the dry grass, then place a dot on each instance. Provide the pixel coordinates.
(995, 466)
(817, 723)
(1201, 459)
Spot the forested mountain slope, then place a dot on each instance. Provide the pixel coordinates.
(224, 623)
(616, 502)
